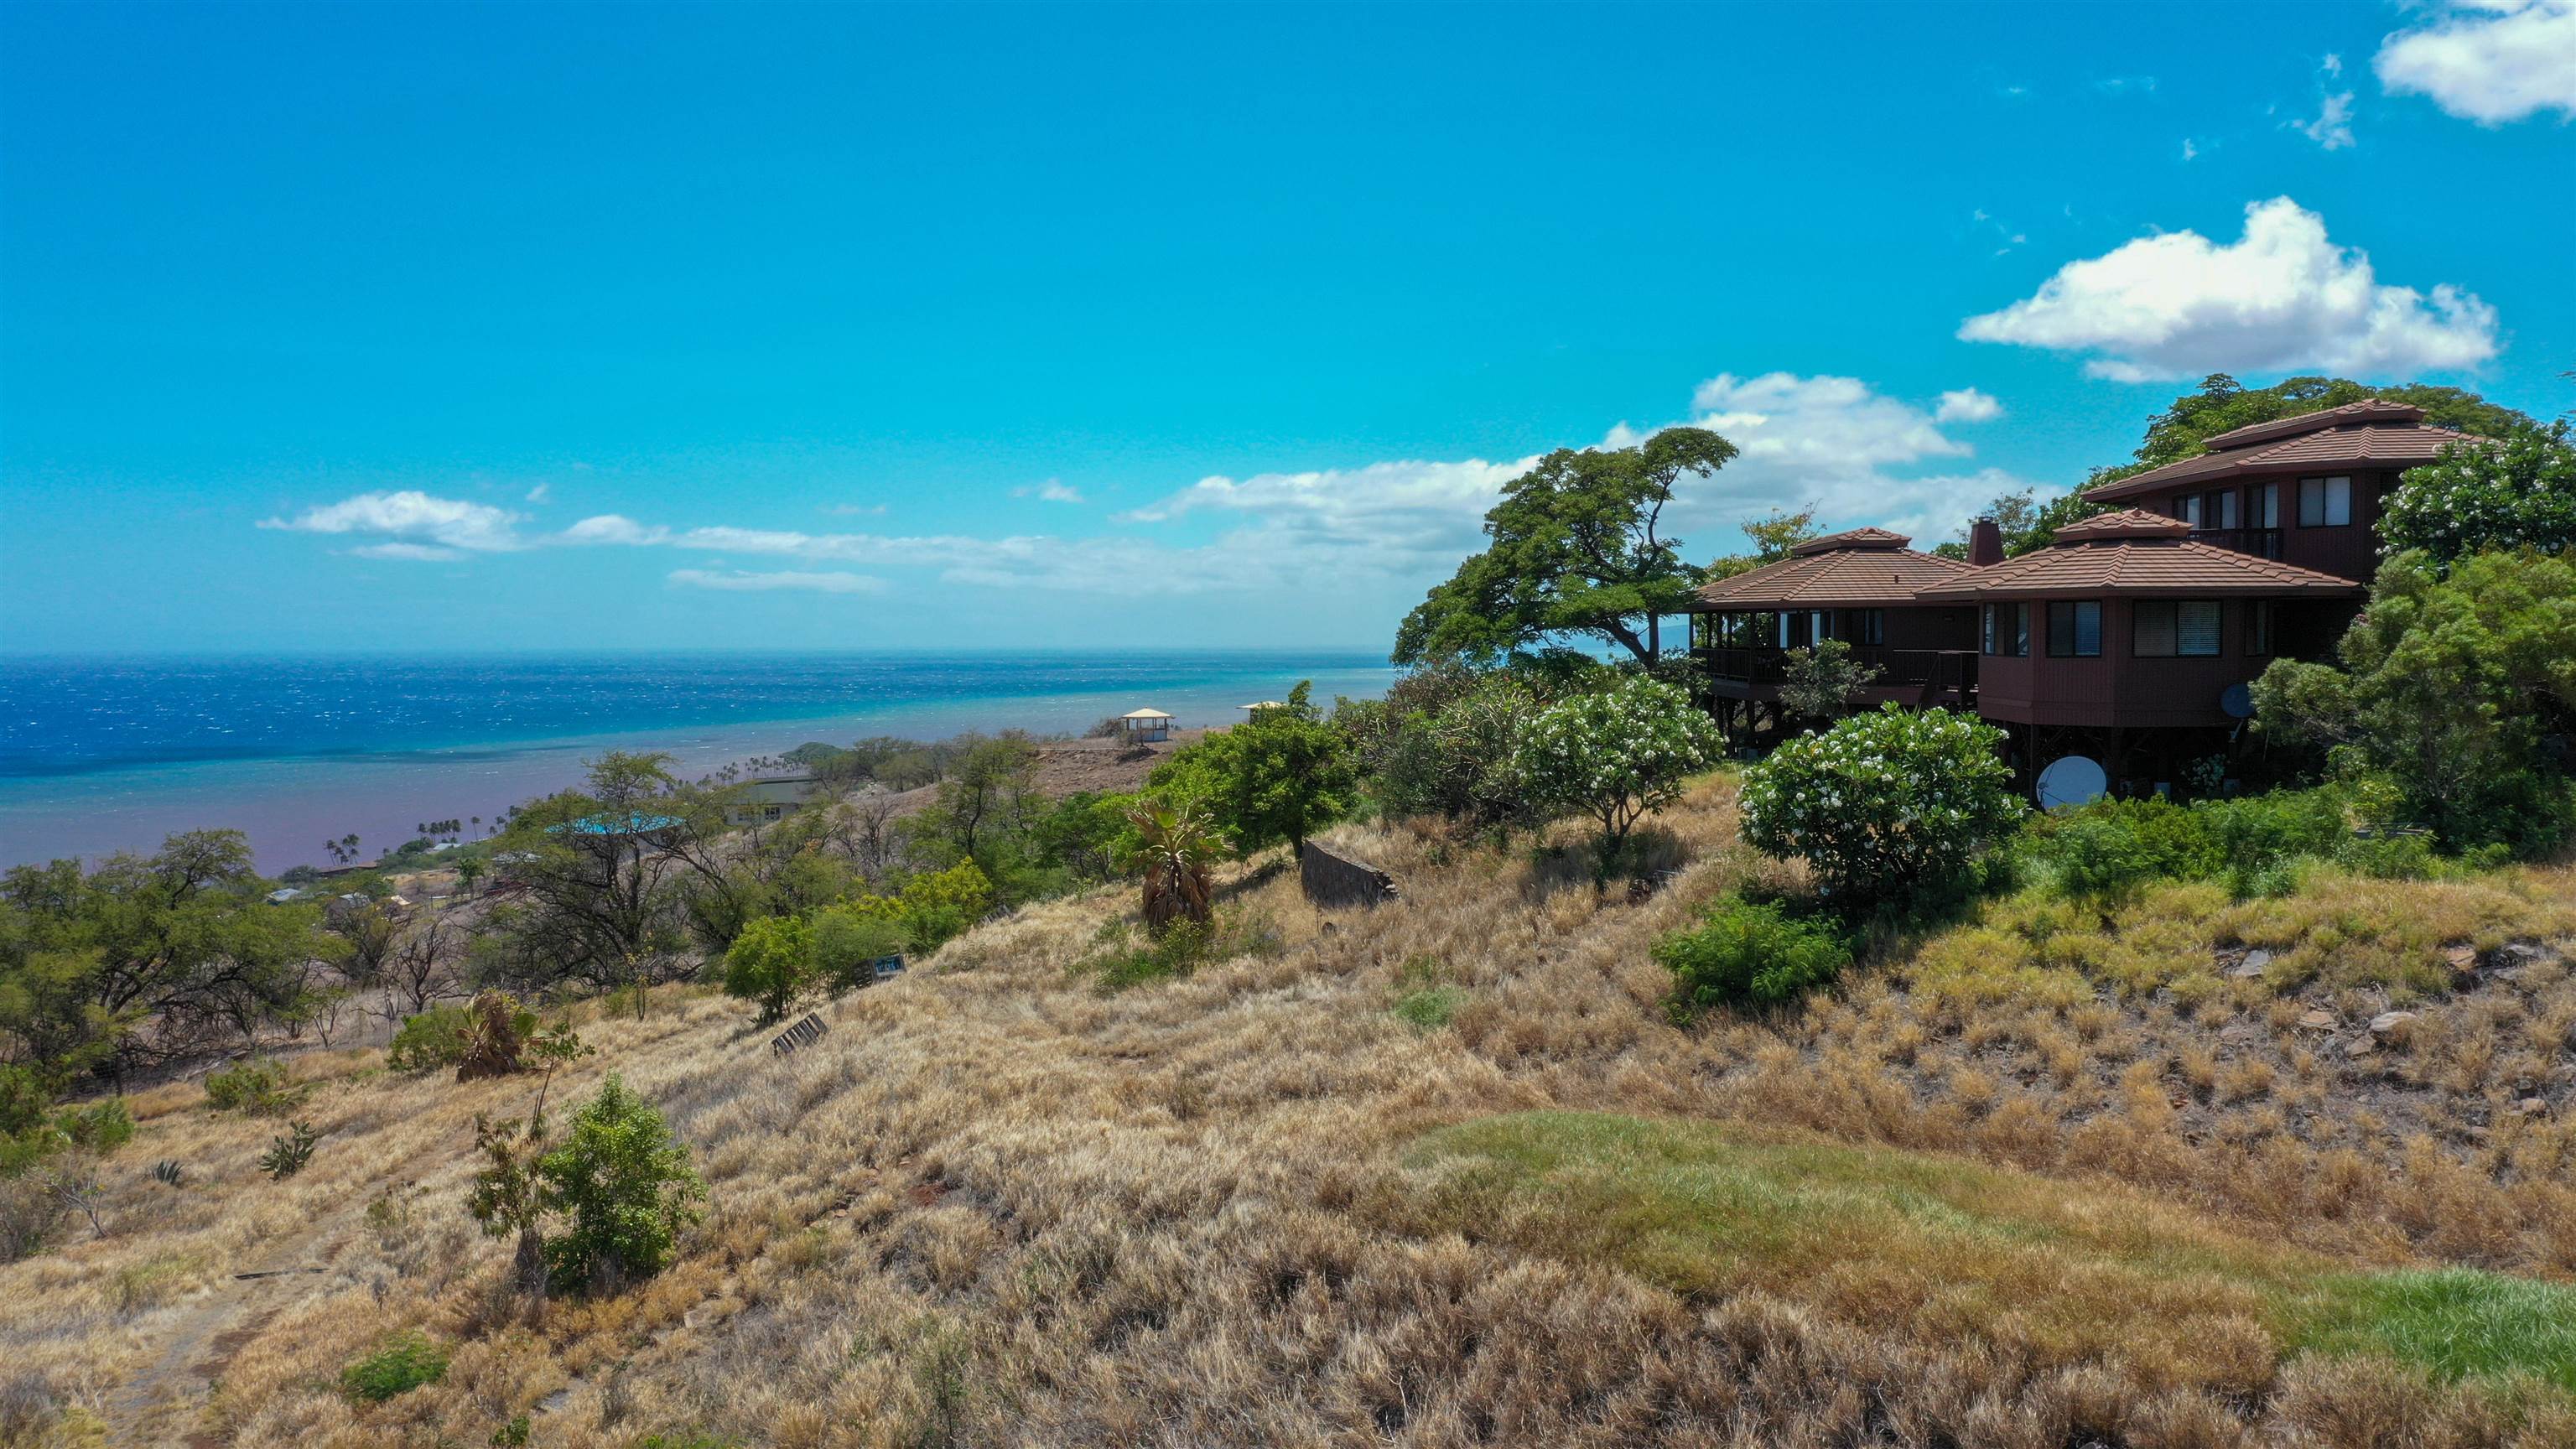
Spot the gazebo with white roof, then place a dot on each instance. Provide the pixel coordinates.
(1144, 726)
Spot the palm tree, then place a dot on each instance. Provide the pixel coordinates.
(1175, 846)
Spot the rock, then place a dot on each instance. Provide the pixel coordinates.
(2359, 1047)
(2318, 1021)
(2531, 1107)
(2515, 955)
(2240, 1031)
(2463, 961)
(2390, 1024)
(2252, 967)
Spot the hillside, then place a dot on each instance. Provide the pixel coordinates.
(1447, 1173)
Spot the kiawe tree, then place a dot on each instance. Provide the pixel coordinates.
(1280, 776)
(1577, 549)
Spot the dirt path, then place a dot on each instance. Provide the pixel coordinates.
(162, 1404)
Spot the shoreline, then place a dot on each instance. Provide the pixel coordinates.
(289, 804)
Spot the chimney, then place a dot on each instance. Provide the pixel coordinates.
(1985, 542)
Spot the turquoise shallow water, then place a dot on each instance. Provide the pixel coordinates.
(98, 755)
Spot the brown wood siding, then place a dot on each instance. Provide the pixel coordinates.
(2349, 551)
(2119, 689)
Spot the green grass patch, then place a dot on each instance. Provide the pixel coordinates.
(1429, 1009)
(407, 1361)
(2458, 1322)
(2067, 1272)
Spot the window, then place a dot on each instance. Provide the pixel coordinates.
(2265, 501)
(1873, 626)
(2187, 508)
(2075, 630)
(1820, 625)
(2258, 627)
(2008, 629)
(2219, 510)
(2325, 502)
(2164, 629)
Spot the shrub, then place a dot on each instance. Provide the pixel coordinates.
(2112, 848)
(259, 1088)
(770, 962)
(1281, 775)
(1884, 804)
(627, 1187)
(1442, 745)
(1616, 755)
(497, 1031)
(847, 943)
(1747, 952)
(428, 1042)
(406, 1362)
(2450, 690)
(287, 1154)
(2517, 492)
(1430, 1008)
(1122, 957)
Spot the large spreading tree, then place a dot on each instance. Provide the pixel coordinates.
(1577, 550)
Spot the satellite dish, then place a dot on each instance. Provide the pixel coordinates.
(2238, 701)
(2070, 781)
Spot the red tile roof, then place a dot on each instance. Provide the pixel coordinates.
(1877, 538)
(2367, 434)
(2123, 523)
(2123, 555)
(1871, 573)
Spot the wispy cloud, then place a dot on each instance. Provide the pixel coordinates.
(1834, 442)
(1053, 490)
(538, 493)
(409, 552)
(737, 581)
(413, 517)
(2281, 297)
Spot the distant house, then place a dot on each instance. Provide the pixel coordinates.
(765, 801)
(2131, 640)
(1146, 726)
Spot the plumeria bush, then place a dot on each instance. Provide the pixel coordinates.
(1615, 755)
(1883, 804)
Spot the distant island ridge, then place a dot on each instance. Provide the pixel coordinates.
(113, 753)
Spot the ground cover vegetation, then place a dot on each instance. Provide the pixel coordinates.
(1828, 1099)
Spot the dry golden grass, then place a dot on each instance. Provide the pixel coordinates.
(998, 1206)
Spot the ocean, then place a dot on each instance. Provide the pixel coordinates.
(99, 755)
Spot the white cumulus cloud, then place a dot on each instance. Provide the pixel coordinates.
(2488, 61)
(2281, 298)
(412, 517)
(1967, 405)
(737, 581)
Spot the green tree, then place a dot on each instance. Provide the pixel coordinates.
(1774, 536)
(1885, 803)
(988, 793)
(615, 874)
(625, 1184)
(1279, 776)
(2518, 492)
(1450, 754)
(508, 1194)
(149, 956)
(2223, 405)
(1576, 549)
(1823, 681)
(1615, 755)
(770, 962)
(2450, 689)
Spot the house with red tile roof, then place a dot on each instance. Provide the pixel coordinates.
(2129, 639)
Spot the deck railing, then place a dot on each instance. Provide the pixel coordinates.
(2260, 542)
(1941, 671)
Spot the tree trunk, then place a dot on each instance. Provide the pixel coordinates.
(529, 1264)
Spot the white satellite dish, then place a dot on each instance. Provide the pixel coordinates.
(2071, 781)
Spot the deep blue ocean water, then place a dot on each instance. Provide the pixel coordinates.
(107, 754)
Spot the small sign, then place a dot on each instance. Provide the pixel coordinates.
(887, 968)
(803, 1033)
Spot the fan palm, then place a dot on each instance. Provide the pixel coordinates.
(1175, 844)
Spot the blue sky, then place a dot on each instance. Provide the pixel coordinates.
(367, 327)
